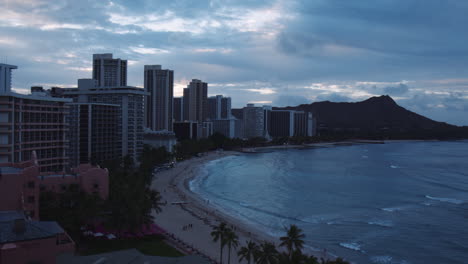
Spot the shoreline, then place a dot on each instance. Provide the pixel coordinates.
(191, 219)
(331, 144)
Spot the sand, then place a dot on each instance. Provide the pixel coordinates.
(177, 218)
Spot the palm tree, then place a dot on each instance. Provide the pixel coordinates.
(219, 233)
(248, 252)
(232, 241)
(267, 253)
(293, 240)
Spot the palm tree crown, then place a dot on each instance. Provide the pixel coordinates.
(231, 240)
(267, 253)
(248, 252)
(219, 233)
(294, 239)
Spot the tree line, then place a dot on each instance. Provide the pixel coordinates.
(266, 252)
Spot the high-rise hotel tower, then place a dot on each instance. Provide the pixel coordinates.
(159, 83)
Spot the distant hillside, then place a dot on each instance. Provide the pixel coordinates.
(377, 116)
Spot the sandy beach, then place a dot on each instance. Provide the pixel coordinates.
(191, 219)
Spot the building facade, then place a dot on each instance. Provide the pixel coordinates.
(159, 84)
(280, 123)
(109, 72)
(34, 122)
(303, 124)
(219, 107)
(93, 133)
(196, 101)
(21, 183)
(178, 109)
(5, 77)
(254, 121)
(289, 123)
(109, 86)
(226, 127)
(130, 125)
(158, 139)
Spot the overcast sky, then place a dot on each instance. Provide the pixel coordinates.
(281, 52)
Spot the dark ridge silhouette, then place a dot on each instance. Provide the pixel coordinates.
(376, 117)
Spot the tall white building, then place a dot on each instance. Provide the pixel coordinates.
(109, 72)
(131, 111)
(108, 86)
(159, 83)
(5, 77)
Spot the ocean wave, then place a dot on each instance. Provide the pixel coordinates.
(365, 156)
(394, 167)
(381, 259)
(447, 200)
(392, 209)
(353, 246)
(384, 223)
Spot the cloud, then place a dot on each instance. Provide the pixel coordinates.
(290, 100)
(333, 97)
(142, 50)
(284, 52)
(396, 90)
(261, 91)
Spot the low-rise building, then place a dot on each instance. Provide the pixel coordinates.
(20, 184)
(29, 241)
(157, 139)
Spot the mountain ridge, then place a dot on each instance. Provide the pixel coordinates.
(376, 116)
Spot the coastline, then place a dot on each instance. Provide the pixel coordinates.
(191, 219)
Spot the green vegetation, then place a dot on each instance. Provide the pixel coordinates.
(293, 241)
(150, 245)
(232, 241)
(71, 208)
(129, 206)
(218, 234)
(266, 252)
(248, 252)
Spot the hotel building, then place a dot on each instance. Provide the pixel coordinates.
(159, 84)
(34, 122)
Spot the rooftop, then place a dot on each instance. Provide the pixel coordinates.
(129, 256)
(9, 170)
(32, 230)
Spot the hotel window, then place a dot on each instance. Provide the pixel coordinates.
(31, 185)
(31, 199)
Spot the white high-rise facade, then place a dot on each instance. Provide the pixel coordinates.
(5, 77)
(159, 83)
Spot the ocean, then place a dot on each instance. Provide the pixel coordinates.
(402, 202)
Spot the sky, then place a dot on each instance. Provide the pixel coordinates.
(282, 52)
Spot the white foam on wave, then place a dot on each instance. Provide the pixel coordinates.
(381, 259)
(447, 200)
(394, 167)
(353, 246)
(392, 209)
(384, 223)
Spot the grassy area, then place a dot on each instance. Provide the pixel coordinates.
(152, 245)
